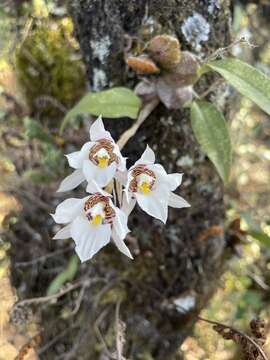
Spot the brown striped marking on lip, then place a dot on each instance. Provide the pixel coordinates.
(103, 144)
(99, 198)
(138, 170)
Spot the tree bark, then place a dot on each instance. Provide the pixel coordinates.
(177, 265)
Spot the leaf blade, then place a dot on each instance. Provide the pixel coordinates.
(260, 236)
(249, 81)
(113, 103)
(210, 130)
(66, 275)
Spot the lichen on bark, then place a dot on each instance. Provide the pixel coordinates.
(174, 262)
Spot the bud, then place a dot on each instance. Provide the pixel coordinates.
(165, 50)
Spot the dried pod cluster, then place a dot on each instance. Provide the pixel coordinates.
(176, 70)
(250, 346)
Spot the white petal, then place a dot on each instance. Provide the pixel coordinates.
(67, 210)
(155, 204)
(148, 157)
(174, 180)
(76, 158)
(177, 201)
(128, 206)
(122, 164)
(97, 131)
(157, 168)
(64, 233)
(121, 245)
(93, 187)
(101, 176)
(71, 181)
(120, 223)
(89, 239)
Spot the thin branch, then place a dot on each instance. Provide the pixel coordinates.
(43, 99)
(118, 330)
(98, 332)
(211, 88)
(41, 258)
(248, 338)
(44, 299)
(50, 343)
(78, 302)
(144, 113)
(222, 51)
(259, 281)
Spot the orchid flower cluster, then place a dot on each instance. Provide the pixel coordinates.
(95, 219)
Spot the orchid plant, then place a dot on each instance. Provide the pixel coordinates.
(167, 76)
(95, 219)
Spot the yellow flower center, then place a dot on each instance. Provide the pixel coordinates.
(103, 162)
(97, 220)
(145, 187)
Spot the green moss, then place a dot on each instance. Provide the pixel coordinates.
(47, 64)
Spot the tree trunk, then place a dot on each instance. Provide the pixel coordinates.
(176, 266)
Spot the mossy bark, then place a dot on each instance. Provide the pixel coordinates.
(175, 263)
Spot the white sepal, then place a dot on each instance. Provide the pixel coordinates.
(148, 157)
(97, 130)
(71, 181)
(177, 201)
(76, 158)
(120, 244)
(67, 210)
(63, 233)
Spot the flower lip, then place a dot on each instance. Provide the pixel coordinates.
(102, 153)
(98, 209)
(143, 179)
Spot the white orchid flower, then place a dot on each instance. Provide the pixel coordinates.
(98, 160)
(150, 186)
(91, 222)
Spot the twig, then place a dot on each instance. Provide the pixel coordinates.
(41, 100)
(144, 113)
(55, 339)
(33, 198)
(41, 258)
(211, 88)
(259, 281)
(62, 292)
(98, 332)
(78, 302)
(119, 342)
(221, 51)
(248, 338)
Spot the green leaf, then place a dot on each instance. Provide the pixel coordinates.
(66, 275)
(113, 103)
(249, 81)
(260, 235)
(210, 129)
(34, 130)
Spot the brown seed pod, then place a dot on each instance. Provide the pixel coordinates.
(165, 50)
(142, 65)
